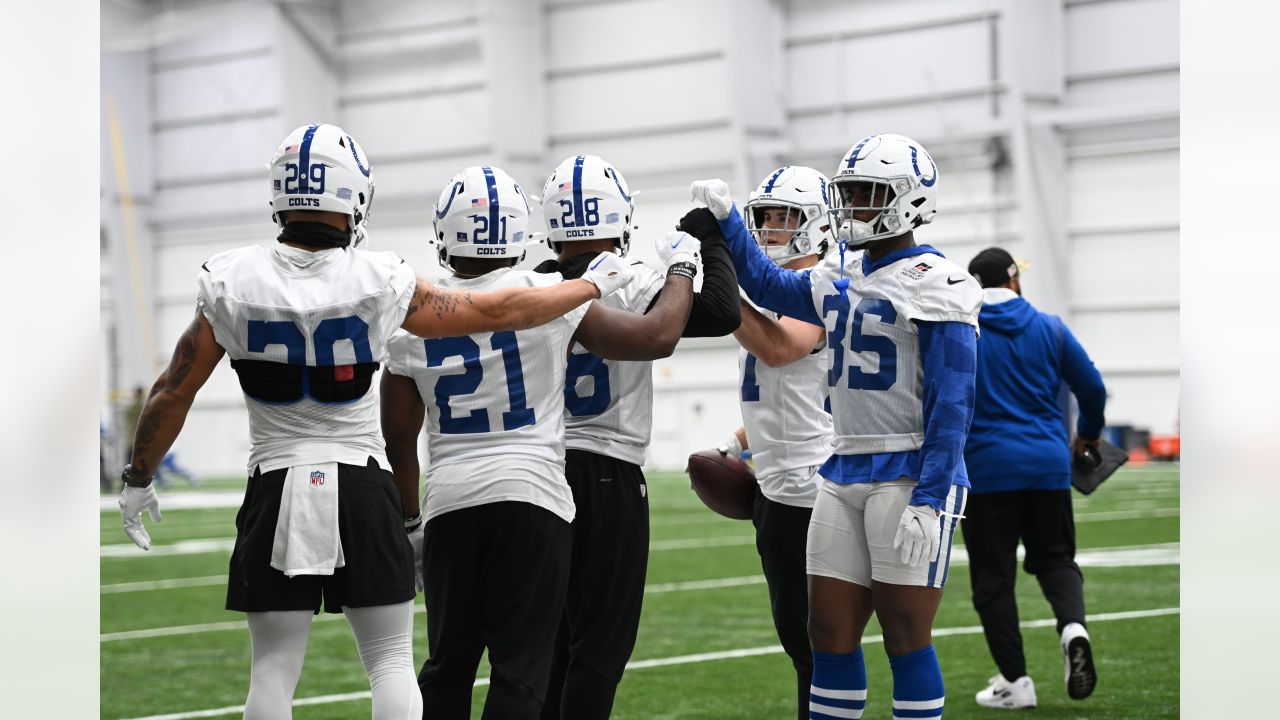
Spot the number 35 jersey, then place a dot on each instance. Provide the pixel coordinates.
(305, 332)
(876, 376)
(494, 406)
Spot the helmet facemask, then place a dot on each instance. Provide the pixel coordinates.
(865, 209)
(784, 230)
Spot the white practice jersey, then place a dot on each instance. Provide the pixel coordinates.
(609, 403)
(494, 406)
(788, 426)
(303, 331)
(875, 376)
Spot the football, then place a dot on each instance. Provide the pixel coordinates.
(724, 483)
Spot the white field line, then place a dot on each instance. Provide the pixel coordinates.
(1125, 556)
(170, 584)
(679, 660)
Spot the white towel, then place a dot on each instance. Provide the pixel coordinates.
(307, 540)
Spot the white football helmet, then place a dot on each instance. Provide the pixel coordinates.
(320, 167)
(800, 193)
(586, 198)
(890, 175)
(481, 213)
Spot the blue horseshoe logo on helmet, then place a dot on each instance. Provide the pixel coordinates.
(927, 182)
(352, 144)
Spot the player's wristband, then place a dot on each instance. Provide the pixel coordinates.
(411, 524)
(126, 476)
(686, 269)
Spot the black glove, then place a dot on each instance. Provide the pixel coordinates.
(700, 223)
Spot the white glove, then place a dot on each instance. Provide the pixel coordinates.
(678, 247)
(133, 500)
(608, 272)
(714, 194)
(731, 446)
(417, 537)
(917, 539)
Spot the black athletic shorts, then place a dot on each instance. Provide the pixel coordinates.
(379, 569)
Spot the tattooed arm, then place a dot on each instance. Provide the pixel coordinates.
(194, 359)
(437, 312)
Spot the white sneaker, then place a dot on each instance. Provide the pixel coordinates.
(1077, 657)
(1001, 693)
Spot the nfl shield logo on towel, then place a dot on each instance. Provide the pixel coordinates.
(317, 478)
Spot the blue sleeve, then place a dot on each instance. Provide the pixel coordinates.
(784, 291)
(1086, 384)
(949, 351)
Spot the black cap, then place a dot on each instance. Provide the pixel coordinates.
(993, 267)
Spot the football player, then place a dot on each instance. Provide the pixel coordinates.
(783, 372)
(609, 413)
(901, 325)
(306, 323)
(496, 503)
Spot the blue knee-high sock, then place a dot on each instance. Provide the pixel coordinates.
(917, 685)
(839, 689)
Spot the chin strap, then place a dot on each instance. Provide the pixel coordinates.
(842, 283)
(314, 234)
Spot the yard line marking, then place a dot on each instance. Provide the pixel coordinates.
(170, 584)
(704, 584)
(182, 547)
(681, 660)
(1124, 556)
(691, 543)
(189, 500)
(1106, 515)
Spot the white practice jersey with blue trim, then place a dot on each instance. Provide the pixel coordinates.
(881, 377)
(609, 403)
(494, 406)
(789, 430)
(329, 310)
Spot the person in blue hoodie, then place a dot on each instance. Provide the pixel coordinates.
(1019, 456)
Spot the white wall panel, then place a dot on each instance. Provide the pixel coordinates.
(421, 125)
(201, 91)
(821, 17)
(923, 121)
(1125, 268)
(639, 156)
(212, 204)
(1108, 36)
(1123, 190)
(215, 441)
(1143, 402)
(215, 30)
(1157, 89)
(381, 21)
(201, 151)
(1129, 341)
(923, 62)
(587, 36)
(638, 99)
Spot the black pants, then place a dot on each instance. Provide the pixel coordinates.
(495, 577)
(606, 586)
(781, 532)
(993, 525)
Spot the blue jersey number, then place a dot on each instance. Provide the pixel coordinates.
(859, 342)
(586, 365)
(750, 390)
(265, 333)
(467, 382)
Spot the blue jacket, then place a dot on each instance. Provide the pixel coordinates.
(1018, 439)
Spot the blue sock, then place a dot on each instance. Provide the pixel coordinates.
(917, 685)
(839, 686)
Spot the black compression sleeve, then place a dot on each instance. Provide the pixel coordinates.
(715, 310)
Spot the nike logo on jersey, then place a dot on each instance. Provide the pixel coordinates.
(596, 264)
(953, 282)
(676, 244)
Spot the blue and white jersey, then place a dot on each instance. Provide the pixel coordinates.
(494, 406)
(902, 345)
(609, 403)
(304, 331)
(788, 428)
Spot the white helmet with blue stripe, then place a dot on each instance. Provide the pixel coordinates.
(789, 214)
(481, 213)
(891, 182)
(320, 167)
(586, 198)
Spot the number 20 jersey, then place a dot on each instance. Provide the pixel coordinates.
(304, 331)
(494, 406)
(875, 372)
